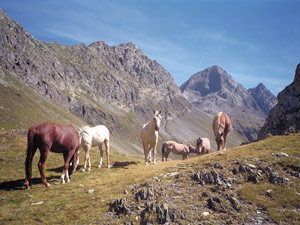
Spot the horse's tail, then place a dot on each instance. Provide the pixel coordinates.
(163, 149)
(31, 149)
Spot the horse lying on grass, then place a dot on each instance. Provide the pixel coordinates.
(177, 149)
(94, 136)
(55, 138)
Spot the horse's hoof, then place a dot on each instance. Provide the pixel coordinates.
(89, 169)
(146, 163)
(48, 185)
(28, 187)
(99, 166)
(154, 162)
(62, 181)
(108, 166)
(83, 170)
(68, 181)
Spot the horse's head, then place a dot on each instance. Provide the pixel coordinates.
(199, 145)
(220, 140)
(74, 161)
(157, 119)
(83, 136)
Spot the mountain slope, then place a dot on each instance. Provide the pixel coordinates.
(284, 118)
(213, 90)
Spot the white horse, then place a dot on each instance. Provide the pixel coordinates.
(94, 136)
(149, 136)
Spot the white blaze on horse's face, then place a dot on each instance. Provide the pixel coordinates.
(157, 119)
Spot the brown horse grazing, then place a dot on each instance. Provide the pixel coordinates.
(55, 138)
(177, 149)
(221, 127)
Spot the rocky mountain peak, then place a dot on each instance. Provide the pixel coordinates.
(264, 98)
(213, 90)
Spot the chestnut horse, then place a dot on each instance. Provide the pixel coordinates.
(149, 136)
(221, 127)
(55, 138)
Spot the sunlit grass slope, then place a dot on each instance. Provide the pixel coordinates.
(72, 203)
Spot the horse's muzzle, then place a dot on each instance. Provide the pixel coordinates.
(156, 128)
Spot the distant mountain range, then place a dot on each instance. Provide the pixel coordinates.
(213, 90)
(118, 86)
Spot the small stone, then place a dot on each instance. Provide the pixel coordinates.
(282, 154)
(251, 166)
(205, 214)
(268, 192)
(90, 191)
(204, 194)
(37, 203)
(173, 174)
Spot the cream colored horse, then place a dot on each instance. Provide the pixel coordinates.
(177, 149)
(149, 136)
(94, 136)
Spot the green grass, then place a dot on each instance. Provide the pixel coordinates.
(21, 107)
(70, 203)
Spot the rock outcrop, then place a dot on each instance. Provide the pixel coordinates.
(213, 90)
(284, 118)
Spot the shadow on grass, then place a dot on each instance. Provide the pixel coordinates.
(79, 167)
(19, 184)
(122, 164)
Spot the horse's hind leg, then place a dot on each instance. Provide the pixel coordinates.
(41, 165)
(101, 155)
(106, 142)
(86, 157)
(28, 166)
(67, 157)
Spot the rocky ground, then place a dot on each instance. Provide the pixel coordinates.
(192, 194)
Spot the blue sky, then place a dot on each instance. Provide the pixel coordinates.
(253, 40)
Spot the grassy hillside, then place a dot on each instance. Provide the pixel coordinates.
(246, 191)
(21, 107)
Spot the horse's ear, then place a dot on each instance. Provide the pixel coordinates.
(159, 112)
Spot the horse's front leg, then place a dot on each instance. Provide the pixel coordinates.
(146, 152)
(154, 153)
(65, 172)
